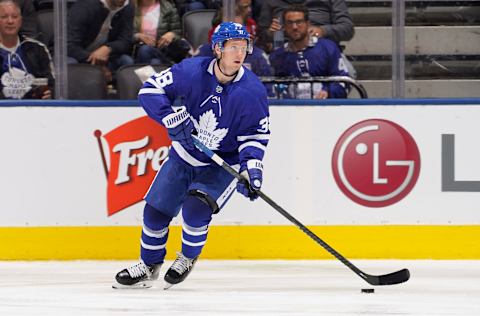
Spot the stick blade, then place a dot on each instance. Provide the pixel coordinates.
(389, 279)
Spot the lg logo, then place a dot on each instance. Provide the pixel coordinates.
(376, 163)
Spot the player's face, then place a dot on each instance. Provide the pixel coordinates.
(10, 19)
(233, 55)
(296, 27)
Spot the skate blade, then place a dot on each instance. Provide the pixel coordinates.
(167, 286)
(141, 285)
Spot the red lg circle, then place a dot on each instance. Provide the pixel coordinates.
(376, 163)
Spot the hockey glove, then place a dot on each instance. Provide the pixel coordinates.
(180, 127)
(253, 178)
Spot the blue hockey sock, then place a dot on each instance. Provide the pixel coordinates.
(196, 218)
(154, 235)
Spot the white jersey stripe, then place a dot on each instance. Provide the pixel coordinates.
(253, 137)
(151, 90)
(252, 144)
(186, 156)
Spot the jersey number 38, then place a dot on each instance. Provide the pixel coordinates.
(164, 78)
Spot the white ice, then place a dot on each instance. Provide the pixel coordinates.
(324, 287)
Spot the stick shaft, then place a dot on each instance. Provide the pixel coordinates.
(393, 278)
(277, 207)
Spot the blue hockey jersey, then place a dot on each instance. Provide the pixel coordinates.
(320, 58)
(232, 119)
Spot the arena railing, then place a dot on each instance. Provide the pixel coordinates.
(279, 81)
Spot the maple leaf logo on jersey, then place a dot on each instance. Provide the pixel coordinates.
(208, 133)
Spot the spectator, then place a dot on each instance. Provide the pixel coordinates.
(328, 19)
(305, 56)
(184, 6)
(23, 60)
(100, 32)
(243, 11)
(29, 24)
(157, 33)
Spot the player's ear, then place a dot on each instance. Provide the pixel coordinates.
(216, 51)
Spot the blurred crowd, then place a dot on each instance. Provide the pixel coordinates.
(297, 38)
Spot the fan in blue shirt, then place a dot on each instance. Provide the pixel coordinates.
(305, 56)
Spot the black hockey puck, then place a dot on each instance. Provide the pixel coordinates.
(368, 290)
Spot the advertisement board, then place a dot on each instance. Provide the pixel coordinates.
(330, 166)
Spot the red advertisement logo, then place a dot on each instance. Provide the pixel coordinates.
(136, 150)
(376, 163)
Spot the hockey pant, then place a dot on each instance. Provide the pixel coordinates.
(199, 192)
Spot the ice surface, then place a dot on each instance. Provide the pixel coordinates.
(324, 287)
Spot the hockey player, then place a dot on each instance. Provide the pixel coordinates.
(226, 106)
(305, 56)
(257, 61)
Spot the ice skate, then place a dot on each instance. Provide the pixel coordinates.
(137, 276)
(179, 270)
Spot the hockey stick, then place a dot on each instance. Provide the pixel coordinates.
(386, 279)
